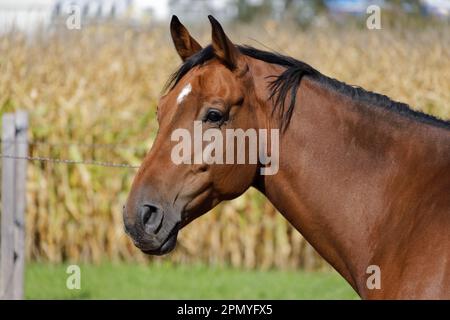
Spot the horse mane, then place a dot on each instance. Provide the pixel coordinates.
(288, 82)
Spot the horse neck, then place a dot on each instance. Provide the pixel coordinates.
(336, 159)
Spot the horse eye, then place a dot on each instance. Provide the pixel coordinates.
(213, 115)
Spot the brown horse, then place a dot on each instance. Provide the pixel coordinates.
(366, 180)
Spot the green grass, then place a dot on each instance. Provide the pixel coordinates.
(127, 281)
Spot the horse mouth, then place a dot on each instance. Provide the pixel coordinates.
(167, 246)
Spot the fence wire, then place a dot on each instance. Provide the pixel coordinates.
(75, 144)
(92, 146)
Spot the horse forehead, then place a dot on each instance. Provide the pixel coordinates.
(184, 88)
(217, 80)
(185, 91)
(211, 80)
(216, 71)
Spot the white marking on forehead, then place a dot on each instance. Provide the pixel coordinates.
(184, 92)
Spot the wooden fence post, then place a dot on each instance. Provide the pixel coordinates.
(21, 150)
(7, 219)
(12, 236)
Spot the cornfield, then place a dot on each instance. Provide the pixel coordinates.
(101, 85)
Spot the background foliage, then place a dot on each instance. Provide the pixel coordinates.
(101, 85)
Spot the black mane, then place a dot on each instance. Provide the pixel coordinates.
(289, 82)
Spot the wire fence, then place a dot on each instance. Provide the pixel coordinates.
(74, 143)
(90, 162)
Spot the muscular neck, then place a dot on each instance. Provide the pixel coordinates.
(337, 163)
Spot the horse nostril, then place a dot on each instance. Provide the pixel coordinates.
(151, 217)
(147, 212)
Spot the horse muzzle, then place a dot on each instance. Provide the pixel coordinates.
(152, 229)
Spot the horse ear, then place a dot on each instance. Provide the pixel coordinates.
(185, 45)
(224, 49)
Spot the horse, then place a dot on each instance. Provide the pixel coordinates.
(364, 179)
